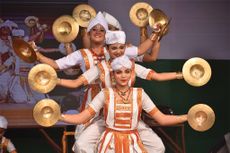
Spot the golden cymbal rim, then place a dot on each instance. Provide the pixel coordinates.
(200, 109)
(46, 112)
(196, 63)
(157, 15)
(19, 45)
(50, 73)
(73, 28)
(80, 10)
(140, 7)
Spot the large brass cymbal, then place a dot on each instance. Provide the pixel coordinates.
(46, 112)
(65, 29)
(139, 14)
(201, 117)
(42, 78)
(196, 71)
(158, 18)
(83, 13)
(24, 51)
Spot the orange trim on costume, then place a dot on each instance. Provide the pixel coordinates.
(85, 82)
(140, 143)
(91, 111)
(102, 74)
(95, 89)
(122, 115)
(139, 102)
(133, 74)
(103, 140)
(107, 99)
(122, 121)
(153, 111)
(86, 59)
(84, 100)
(4, 145)
(149, 76)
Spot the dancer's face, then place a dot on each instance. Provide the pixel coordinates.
(97, 34)
(122, 76)
(5, 31)
(116, 50)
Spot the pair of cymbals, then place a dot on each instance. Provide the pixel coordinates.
(65, 29)
(83, 14)
(42, 78)
(201, 117)
(139, 14)
(24, 50)
(46, 112)
(196, 71)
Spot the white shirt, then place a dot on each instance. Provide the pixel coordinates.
(76, 58)
(94, 73)
(99, 100)
(10, 146)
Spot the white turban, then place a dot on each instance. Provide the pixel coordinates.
(122, 61)
(10, 24)
(112, 20)
(18, 32)
(99, 19)
(112, 37)
(3, 122)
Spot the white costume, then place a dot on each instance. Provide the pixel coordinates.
(6, 144)
(121, 120)
(112, 20)
(103, 71)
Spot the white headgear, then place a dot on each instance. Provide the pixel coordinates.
(99, 19)
(112, 37)
(18, 32)
(122, 61)
(112, 20)
(3, 122)
(11, 24)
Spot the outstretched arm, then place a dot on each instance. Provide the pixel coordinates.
(41, 58)
(85, 38)
(86, 78)
(72, 83)
(149, 74)
(80, 118)
(164, 119)
(158, 116)
(94, 107)
(165, 76)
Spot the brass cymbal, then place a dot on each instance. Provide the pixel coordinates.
(201, 117)
(65, 29)
(24, 51)
(158, 18)
(139, 13)
(46, 112)
(42, 78)
(83, 13)
(31, 21)
(196, 71)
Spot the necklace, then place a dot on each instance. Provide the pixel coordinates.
(98, 57)
(122, 95)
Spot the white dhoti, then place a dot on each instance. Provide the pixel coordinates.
(86, 141)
